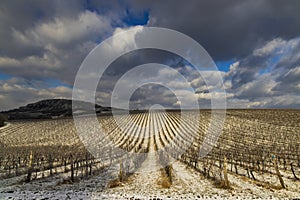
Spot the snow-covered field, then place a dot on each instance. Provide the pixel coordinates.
(187, 184)
(145, 182)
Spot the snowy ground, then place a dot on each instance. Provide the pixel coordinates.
(143, 184)
(187, 183)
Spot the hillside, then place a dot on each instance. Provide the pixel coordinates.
(52, 108)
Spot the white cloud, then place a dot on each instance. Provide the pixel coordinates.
(123, 41)
(48, 60)
(210, 80)
(260, 87)
(10, 62)
(293, 72)
(62, 43)
(233, 68)
(270, 47)
(272, 80)
(65, 30)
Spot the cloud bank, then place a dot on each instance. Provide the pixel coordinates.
(42, 45)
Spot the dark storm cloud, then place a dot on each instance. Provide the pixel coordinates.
(227, 29)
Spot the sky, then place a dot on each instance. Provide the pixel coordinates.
(255, 44)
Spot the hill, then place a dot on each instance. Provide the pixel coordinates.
(53, 108)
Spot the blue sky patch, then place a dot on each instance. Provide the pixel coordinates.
(4, 76)
(55, 83)
(136, 19)
(224, 65)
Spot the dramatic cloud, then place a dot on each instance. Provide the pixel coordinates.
(63, 42)
(43, 43)
(227, 29)
(270, 47)
(62, 31)
(269, 75)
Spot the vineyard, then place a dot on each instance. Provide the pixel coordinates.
(257, 155)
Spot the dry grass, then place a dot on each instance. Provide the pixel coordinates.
(67, 181)
(269, 186)
(164, 181)
(114, 183)
(223, 185)
(261, 183)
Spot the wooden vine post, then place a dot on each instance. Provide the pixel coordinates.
(121, 171)
(72, 168)
(226, 181)
(278, 172)
(30, 167)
